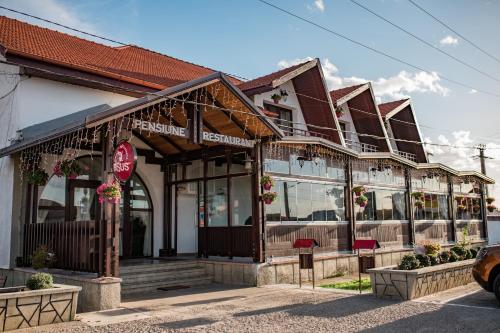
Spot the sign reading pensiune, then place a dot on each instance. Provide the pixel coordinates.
(160, 128)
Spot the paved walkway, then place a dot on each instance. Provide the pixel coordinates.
(286, 308)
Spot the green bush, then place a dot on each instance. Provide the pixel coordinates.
(473, 253)
(424, 260)
(43, 258)
(460, 251)
(444, 257)
(408, 262)
(454, 257)
(40, 281)
(434, 260)
(468, 254)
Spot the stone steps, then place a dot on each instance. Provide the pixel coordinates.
(147, 277)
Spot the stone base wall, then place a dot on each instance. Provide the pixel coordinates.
(97, 293)
(389, 282)
(31, 308)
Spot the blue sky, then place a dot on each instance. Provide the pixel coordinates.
(249, 39)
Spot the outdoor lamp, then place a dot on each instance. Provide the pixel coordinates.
(248, 163)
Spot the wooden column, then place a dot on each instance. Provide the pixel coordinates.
(349, 202)
(229, 208)
(167, 210)
(409, 208)
(452, 204)
(257, 225)
(205, 205)
(109, 224)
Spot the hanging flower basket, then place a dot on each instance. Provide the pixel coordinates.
(491, 208)
(37, 177)
(461, 208)
(67, 168)
(359, 190)
(267, 182)
(490, 200)
(269, 197)
(276, 98)
(476, 208)
(418, 195)
(361, 201)
(419, 204)
(339, 112)
(110, 192)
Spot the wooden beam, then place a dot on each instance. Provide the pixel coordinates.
(150, 156)
(213, 151)
(138, 135)
(173, 143)
(228, 115)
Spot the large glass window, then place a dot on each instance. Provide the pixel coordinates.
(217, 203)
(468, 208)
(241, 200)
(435, 207)
(306, 201)
(382, 205)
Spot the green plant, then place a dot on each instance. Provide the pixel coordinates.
(465, 242)
(110, 192)
(37, 177)
(350, 285)
(423, 259)
(68, 167)
(40, 281)
(269, 197)
(434, 260)
(444, 257)
(460, 251)
(417, 195)
(419, 204)
(267, 182)
(409, 262)
(359, 190)
(453, 257)
(361, 201)
(468, 254)
(43, 258)
(491, 208)
(431, 248)
(276, 97)
(473, 253)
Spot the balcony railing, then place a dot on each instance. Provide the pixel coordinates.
(408, 156)
(361, 147)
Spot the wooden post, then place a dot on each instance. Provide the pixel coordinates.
(452, 208)
(205, 205)
(349, 200)
(409, 209)
(229, 198)
(256, 216)
(167, 209)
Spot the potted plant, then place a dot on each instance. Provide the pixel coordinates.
(267, 182)
(37, 177)
(68, 168)
(359, 190)
(476, 208)
(339, 112)
(490, 200)
(461, 208)
(417, 195)
(419, 204)
(276, 98)
(110, 192)
(361, 201)
(491, 208)
(269, 197)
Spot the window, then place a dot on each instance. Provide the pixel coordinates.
(382, 205)
(285, 119)
(241, 200)
(468, 208)
(217, 203)
(343, 128)
(435, 208)
(306, 202)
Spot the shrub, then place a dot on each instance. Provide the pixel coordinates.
(424, 260)
(468, 254)
(454, 257)
(40, 281)
(409, 262)
(444, 257)
(42, 258)
(430, 247)
(473, 253)
(434, 260)
(460, 251)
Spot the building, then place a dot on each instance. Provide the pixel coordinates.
(204, 140)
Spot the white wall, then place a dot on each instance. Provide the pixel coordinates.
(291, 101)
(347, 119)
(391, 136)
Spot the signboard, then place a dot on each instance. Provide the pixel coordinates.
(124, 161)
(164, 129)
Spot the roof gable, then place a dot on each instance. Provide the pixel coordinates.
(389, 107)
(342, 95)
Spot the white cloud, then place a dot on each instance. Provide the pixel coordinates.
(449, 40)
(472, 91)
(317, 5)
(53, 10)
(393, 87)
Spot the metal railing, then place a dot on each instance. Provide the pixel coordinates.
(408, 156)
(361, 147)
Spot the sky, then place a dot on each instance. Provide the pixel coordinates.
(249, 39)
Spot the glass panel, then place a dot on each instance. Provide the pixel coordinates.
(237, 163)
(50, 215)
(368, 212)
(443, 207)
(274, 211)
(335, 169)
(277, 166)
(138, 195)
(318, 197)
(241, 197)
(399, 205)
(217, 202)
(91, 168)
(141, 233)
(54, 193)
(335, 203)
(85, 204)
(193, 170)
(304, 208)
(289, 202)
(217, 167)
(360, 173)
(379, 205)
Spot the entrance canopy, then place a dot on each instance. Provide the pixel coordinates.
(201, 113)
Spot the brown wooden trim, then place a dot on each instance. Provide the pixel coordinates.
(229, 203)
(229, 116)
(205, 209)
(138, 135)
(409, 208)
(173, 143)
(451, 206)
(349, 205)
(167, 208)
(176, 217)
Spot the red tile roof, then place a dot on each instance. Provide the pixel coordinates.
(267, 80)
(385, 108)
(339, 93)
(127, 63)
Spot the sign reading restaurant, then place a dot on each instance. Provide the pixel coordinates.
(166, 129)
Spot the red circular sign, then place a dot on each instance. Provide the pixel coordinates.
(124, 161)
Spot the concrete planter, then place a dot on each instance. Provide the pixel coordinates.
(30, 308)
(390, 282)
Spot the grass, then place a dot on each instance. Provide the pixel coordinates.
(350, 285)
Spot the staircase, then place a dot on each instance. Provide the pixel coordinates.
(139, 277)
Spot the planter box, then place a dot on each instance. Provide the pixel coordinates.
(397, 284)
(30, 308)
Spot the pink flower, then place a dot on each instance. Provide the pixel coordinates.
(73, 176)
(101, 188)
(101, 200)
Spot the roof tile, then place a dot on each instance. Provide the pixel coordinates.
(339, 93)
(385, 108)
(266, 80)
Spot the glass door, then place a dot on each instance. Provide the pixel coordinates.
(83, 204)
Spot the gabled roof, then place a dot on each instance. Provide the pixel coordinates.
(126, 63)
(272, 80)
(387, 109)
(342, 93)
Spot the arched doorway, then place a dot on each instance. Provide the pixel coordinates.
(63, 199)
